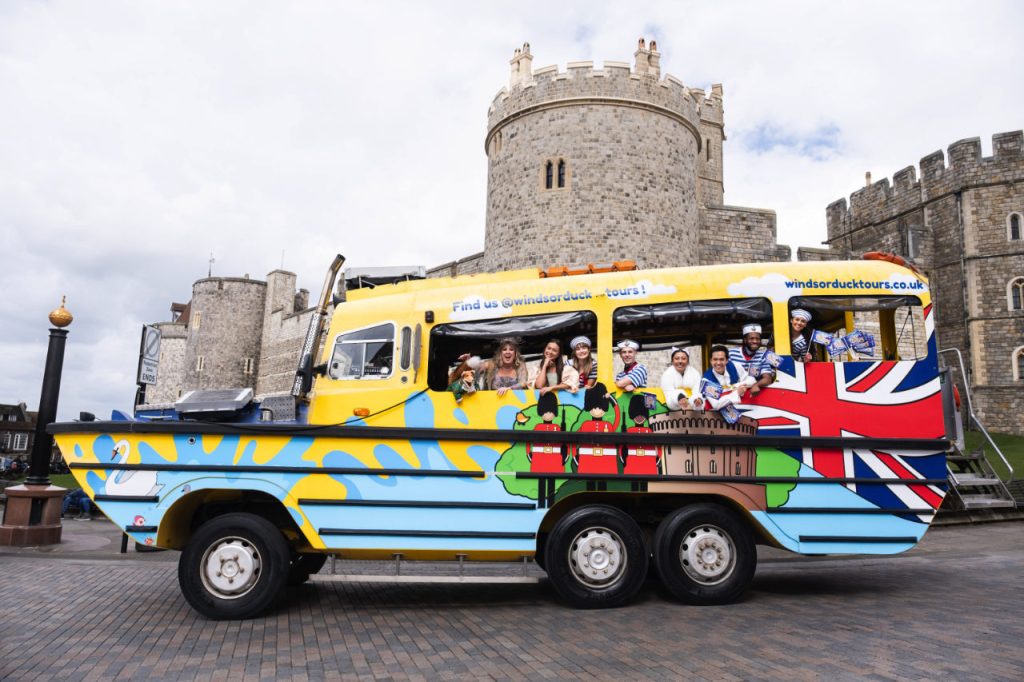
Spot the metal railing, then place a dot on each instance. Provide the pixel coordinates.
(972, 416)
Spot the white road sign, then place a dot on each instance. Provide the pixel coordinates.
(149, 355)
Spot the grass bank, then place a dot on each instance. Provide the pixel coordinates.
(1011, 446)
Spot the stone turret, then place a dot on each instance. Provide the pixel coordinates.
(591, 165)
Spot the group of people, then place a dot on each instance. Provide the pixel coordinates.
(736, 371)
(507, 370)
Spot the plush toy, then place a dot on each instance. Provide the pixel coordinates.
(463, 378)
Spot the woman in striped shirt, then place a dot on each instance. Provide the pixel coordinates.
(800, 335)
(583, 361)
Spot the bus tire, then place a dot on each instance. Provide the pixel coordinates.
(595, 557)
(234, 567)
(303, 566)
(705, 554)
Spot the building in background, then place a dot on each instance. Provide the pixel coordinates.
(17, 431)
(593, 165)
(245, 333)
(962, 223)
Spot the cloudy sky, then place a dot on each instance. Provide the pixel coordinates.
(138, 138)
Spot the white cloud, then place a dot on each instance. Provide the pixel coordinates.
(773, 285)
(138, 138)
(644, 288)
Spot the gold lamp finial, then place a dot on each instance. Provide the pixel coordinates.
(61, 317)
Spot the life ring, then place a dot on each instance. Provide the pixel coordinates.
(956, 396)
(892, 258)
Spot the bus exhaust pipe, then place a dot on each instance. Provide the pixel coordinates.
(304, 373)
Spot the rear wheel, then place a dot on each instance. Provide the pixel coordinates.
(234, 566)
(705, 554)
(595, 557)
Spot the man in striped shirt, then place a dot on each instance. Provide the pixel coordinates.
(751, 357)
(633, 374)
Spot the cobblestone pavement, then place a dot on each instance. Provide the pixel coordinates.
(949, 609)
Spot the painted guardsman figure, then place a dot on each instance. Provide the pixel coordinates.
(644, 460)
(547, 458)
(593, 458)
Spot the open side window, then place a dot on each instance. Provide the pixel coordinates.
(893, 324)
(481, 337)
(693, 325)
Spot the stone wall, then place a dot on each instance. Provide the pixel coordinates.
(733, 234)
(810, 253)
(170, 377)
(225, 329)
(953, 223)
(470, 265)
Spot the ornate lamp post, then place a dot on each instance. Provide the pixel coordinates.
(32, 514)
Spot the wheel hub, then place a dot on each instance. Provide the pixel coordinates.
(597, 557)
(230, 568)
(708, 555)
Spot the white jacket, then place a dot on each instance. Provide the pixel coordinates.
(673, 383)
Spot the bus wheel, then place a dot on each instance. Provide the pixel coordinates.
(705, 554)
(595, 557)
(234, 566)
(303, 566)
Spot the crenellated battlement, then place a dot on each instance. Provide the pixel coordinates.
(640, 83)
(880, 201)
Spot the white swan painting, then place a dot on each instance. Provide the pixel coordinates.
(130, 483)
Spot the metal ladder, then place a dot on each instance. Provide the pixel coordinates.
(974, 483)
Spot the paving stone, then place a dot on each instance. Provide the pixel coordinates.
(937, 612)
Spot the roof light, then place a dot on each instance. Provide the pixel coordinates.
(588, 269)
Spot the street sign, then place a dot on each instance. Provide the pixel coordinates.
(149, 355)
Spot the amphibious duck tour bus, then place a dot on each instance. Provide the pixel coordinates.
(372, 456)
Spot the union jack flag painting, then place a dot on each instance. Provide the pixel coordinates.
(884, 399)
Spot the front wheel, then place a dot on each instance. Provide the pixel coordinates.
(234, 566)
(595, 557)
(705, 554)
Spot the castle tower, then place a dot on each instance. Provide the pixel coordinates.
(961, 220)
(592, 165)
(224, 333)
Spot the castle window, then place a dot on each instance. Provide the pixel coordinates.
(913, 244)
(737, 468)
(1017, 360)
(200, 363)
(1013, 227)
(197, 318)
(1015, 294)
(247, 365)
(689, 466)
(20, 442)
(713, 467)
(555, 174)
(707, 148)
